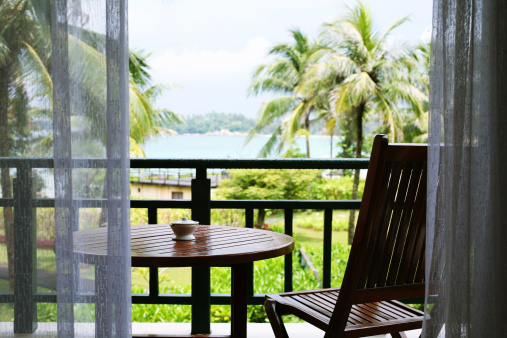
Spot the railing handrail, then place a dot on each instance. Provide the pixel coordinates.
(136, 163)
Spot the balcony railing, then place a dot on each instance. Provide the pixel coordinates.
(201, 205)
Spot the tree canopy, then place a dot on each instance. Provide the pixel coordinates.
(349, 74)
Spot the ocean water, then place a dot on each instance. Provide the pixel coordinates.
(212, 146)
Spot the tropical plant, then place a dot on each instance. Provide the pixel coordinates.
(283, 75)
(266, 184)
(412, 126)
(367, 76)
(25, 80)
(145, 119)
(15, 32)
(415, 127)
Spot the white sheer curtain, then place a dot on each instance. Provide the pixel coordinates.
(466, 265)
(64, 103)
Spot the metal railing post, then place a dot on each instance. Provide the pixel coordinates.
(249, 223)
(327, 248)
(25, 253)
(289, 213)
(201, 279)
(153, 271)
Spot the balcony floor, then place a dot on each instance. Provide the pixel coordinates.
(255, 330)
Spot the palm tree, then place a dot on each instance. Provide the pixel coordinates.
(283, 76)
(15, 31)
(415, 127)
(368, 77)
(25, 57)
(145, 119)
(412, 126)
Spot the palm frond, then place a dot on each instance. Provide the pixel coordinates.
(44, 83)
(155, 91)
(276, 108)
(272, 142)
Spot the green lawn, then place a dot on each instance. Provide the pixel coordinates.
(313, 238)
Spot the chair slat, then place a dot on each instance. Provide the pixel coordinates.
(358, 316)
(314, 298)
(328, 296)
(373, 314)
(400, 309)
(311, 305)
(418, 257)
(409, 255)
(407, 222)
(392, 311)
(419, 277)
(381, 310)
(394, 223)
(377, 245)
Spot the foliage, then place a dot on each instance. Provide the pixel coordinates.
(339, 188)
(366, 77)
(255, 184)
(313, 220)
(369, 77)
(145, 119)
(293, 184)
(293, 152)
(211, 122)
(347, 74)
(230, 217)
(261, 184)
(283, 76)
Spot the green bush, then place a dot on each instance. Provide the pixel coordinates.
(339, 188)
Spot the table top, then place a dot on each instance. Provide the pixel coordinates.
(214, 245)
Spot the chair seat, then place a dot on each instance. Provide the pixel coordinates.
(316, 307)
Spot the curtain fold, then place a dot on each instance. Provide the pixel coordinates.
(65, 138)
(467, 204)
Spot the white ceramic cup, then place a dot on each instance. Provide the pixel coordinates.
(184, 229)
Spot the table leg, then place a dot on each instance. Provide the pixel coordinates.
(201, 300)
(239, 300)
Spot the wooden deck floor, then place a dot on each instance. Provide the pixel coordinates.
(255, 330)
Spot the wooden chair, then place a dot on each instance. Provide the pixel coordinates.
(386, 260)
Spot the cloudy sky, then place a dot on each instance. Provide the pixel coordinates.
(211, 47)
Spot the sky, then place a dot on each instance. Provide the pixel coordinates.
(210, 48)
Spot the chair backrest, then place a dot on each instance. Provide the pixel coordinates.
(387, 256)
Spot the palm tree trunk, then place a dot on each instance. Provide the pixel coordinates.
(331, 145)
(5, 176)
(307, 127)
(261, 216)
(355, 185)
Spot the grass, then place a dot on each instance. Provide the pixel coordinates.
(313, 219)
(313, 238)
(309, 226)
(169, 278)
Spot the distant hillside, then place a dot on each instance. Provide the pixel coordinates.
(212, 122)
(237, 123)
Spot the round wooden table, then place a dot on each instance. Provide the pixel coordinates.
(152, 246)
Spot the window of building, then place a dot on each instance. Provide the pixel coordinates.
(177, 195)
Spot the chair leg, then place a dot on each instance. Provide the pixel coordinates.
(275, 319)
(398, 335)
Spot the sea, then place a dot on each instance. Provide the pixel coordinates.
(200, 146)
